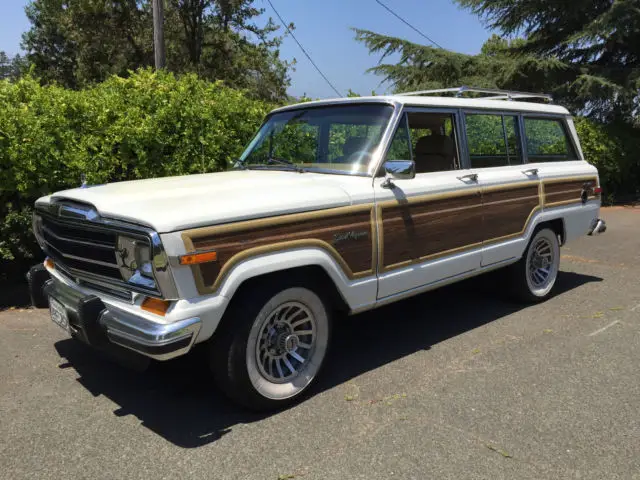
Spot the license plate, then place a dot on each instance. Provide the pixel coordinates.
(58, 314)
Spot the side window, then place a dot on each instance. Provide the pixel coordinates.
(430, 140)
(547, 141)
(493, 140)
(433, 141)
(400, 148)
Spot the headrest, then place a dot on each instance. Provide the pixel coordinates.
(435, 145)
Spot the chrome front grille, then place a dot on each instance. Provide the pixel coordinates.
(84, 247)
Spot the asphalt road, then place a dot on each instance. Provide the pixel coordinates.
(453, 384)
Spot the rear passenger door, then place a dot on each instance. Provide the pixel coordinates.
(429, 227)
(509, 188)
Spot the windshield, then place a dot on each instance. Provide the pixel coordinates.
(339, 139)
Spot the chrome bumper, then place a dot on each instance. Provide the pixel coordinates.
(597, 227)
(100, 326)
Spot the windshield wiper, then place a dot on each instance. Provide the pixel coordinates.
(282, 161)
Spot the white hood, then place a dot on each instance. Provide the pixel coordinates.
(178, 203)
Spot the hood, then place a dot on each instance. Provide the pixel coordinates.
(178, 203)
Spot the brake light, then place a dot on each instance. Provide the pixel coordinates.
(597, 190)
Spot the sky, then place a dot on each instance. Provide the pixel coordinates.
(324, 29)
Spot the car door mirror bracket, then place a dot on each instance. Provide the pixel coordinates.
(399, 170)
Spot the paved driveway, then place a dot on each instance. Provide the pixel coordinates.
(453, 384)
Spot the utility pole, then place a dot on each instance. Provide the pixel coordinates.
(158, 33)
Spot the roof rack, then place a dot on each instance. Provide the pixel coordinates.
(495, 94)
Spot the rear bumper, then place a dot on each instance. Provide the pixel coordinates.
(100, 326)
(597, 227)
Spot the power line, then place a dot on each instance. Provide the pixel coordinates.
(284, 24)
(406, 23)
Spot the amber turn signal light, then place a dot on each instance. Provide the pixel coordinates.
(195, 258)
(49, 263)
(155, 305)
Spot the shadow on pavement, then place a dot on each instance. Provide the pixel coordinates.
(177, 399)
(14, 294)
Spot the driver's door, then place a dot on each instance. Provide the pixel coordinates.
(429, 227)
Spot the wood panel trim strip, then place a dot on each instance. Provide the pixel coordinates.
(191, 236)
(548, 203)
(431, 197)
(376, 229)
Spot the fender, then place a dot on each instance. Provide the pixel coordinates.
(355, 292)
(576, 219)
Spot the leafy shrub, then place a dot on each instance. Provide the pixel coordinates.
(614, 149)
(155, 124)
(147, 125)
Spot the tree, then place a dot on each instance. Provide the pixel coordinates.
(424, 67)
(79, 42)
(597, 40)
(76, 43)
(585, 52)
(11, 68)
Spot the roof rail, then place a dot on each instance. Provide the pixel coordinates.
(495, 94)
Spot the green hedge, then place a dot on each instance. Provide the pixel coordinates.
(147, 125)
(615, 150)
(155, 124)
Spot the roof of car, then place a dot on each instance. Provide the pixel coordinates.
(438, 102)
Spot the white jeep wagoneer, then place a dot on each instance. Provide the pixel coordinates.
(336, 205)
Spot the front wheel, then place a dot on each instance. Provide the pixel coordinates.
(271, 346)
(533, 277)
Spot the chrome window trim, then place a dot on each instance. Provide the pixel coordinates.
(334, 102)
(375, 157)
(74, 214)
(380, 154)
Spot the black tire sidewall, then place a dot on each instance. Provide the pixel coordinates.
(228, 359)
(520, 287)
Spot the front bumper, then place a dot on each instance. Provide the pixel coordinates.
(100, 326)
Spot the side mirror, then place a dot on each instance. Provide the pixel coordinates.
(400, 170)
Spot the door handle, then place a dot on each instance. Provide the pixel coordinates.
(473, 177)
(531, 171)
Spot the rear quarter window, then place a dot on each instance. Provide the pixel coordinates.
(547, 140)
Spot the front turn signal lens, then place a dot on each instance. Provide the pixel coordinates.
(195, 258)
(49, 263)
(155, 305)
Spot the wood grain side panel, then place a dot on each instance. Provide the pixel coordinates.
(417, 230)
(506, 211)
(565, 191)
(318, 229)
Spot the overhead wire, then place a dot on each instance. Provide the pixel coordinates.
(285, 25)
(433, 42)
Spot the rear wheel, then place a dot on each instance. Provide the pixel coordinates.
(533, 277)
(271, 345)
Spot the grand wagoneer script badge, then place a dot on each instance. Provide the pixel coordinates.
(350, 235)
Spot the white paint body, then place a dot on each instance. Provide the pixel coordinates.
(173, 204)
